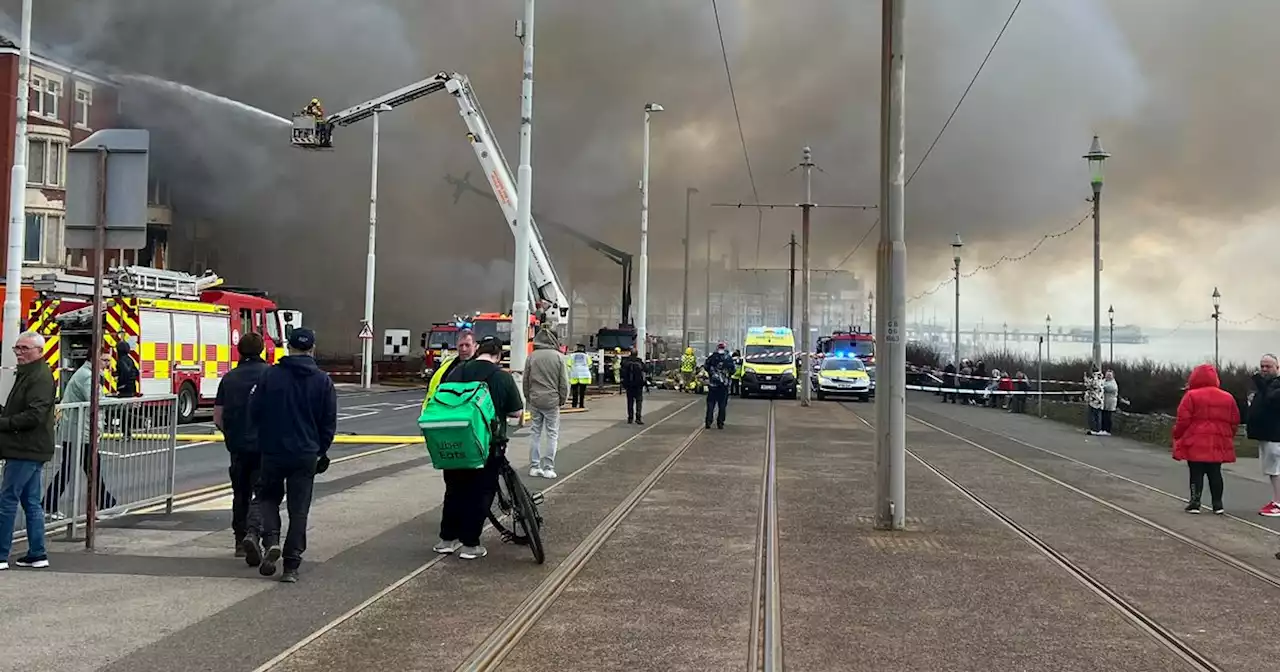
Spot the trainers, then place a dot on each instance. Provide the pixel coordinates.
(535, 471)
(268, 566)
(446, 547)
(1218, 510)
(548, 473)
(1192, 507)
(34, 562)
(1271, 510)
(252, 551)
(639, 421)
(4, 566)
(473, 552)
(289, 576)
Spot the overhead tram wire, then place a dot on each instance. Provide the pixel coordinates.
(741, 135)
(945, 125)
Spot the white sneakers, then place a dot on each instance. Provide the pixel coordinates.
(538, 472)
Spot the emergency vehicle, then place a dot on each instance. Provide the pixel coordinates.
(182, 329)
(442, 338)
(860, 344)
(769, 362)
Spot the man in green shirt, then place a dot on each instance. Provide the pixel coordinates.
(79, 387)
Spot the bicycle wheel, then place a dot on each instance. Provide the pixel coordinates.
(525, 515)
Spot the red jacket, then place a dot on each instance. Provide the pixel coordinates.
(1207, 418)
(1006, 384)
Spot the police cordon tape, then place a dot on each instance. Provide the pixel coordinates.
(910, 368)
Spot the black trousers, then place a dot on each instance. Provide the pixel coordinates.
(635, 403)
(1106, 421)
(578, 395)
(468, 496)
(1198, 471)
(283, 477)
(244, 471)
(59, 483)
(717, 403)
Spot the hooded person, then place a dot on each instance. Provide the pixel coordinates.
(546, 388)
(294, 407)
(1204, 434)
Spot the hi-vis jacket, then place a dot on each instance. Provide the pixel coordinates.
(579, 368)
(739, 366)
(688, 362)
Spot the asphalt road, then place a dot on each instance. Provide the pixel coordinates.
(203, 464)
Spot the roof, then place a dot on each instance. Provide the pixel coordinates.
(46, 55)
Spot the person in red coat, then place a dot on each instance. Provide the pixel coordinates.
(1204, 434)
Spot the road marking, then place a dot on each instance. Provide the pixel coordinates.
(407, 406)
(208, 492)
(357, 415)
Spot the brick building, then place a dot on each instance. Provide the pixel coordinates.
(66, 105)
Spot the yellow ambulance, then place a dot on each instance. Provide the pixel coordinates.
(769, 362)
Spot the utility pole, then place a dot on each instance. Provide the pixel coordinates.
(17, 213)
(706, 315)
(684, 310)
(871, 311)
(791, 285)
(891, 398)
(524, 203)
(371, 261)
(642, 310)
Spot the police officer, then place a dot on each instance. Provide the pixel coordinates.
(739, 367)
(579, 376)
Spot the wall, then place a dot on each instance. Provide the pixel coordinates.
(1156, 429)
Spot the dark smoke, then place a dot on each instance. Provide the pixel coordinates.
(1174, 87)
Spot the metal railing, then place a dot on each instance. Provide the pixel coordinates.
(136, 458)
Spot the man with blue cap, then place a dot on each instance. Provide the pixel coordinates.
(295, 409)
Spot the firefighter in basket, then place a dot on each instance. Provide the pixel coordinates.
(315, 110)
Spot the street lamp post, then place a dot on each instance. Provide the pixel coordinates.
(1111, 317)
(1217, 314)
(1048, 336)
(12, 325)
(684, 309)
(371, 261)
(1096, 157)
(524, 204)
(642, 311)
(871, 311)
(955, 248)
(1006, 336)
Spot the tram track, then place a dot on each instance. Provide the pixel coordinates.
(765, 645)
(1145, 623)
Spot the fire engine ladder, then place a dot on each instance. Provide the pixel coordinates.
(154, 282)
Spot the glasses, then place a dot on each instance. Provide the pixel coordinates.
(19, 348)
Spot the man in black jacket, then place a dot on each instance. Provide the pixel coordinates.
(633, 382)
(719, 370)
(295, 410)
(231, 416)
(1263, 424)
(26, 444)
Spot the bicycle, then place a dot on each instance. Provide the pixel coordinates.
(515, 504)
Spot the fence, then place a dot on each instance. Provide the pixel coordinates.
(137, 451)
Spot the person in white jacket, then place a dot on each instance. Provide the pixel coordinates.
(1110, 400)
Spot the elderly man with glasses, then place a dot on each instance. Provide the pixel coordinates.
(26, 444)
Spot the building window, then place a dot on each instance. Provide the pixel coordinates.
(45, 162)
(84, 100)
(46, 95)
(40, 243)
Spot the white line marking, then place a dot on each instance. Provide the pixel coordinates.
(406, 406)
(357, 415)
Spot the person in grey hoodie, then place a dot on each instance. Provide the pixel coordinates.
(546, 386)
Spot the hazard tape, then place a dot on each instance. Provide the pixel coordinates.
(995, 393)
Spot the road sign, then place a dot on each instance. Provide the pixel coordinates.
(126, 187)
(366, 332)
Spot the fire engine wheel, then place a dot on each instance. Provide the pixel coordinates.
(186, 403)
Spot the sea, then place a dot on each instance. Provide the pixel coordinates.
(1182, 347)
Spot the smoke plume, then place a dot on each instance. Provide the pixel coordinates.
(1174, 87)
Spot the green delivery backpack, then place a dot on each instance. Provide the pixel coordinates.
(458, 423)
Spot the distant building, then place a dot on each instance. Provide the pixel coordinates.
(66, 105)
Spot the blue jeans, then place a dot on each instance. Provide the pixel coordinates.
(22, 483)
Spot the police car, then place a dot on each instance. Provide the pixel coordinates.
(843, 376)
